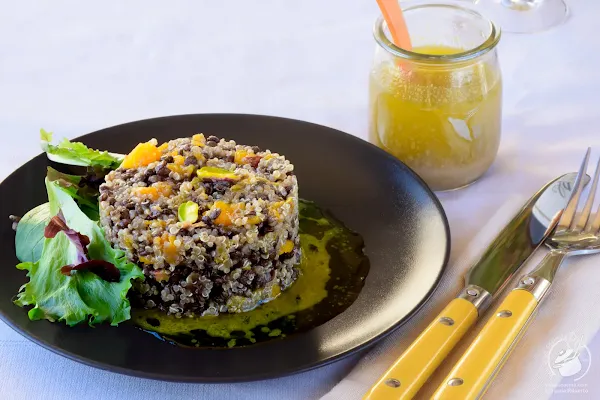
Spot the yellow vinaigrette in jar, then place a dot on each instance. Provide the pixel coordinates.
(441, 119)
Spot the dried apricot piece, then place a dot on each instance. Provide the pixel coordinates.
(142, 155)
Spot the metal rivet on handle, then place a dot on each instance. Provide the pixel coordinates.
(528, 281)
(473, 292)
(504, 314)
(455, 382)
(395, 383)
(447, 321)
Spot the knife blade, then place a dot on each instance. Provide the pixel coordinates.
(517, 241)
(512, 247)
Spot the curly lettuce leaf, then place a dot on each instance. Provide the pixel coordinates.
(53, 295)
(29, 239)
(76, 186)
(75, 153)
(82, 296)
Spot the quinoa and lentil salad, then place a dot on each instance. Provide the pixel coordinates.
(191, 227)
(213, 224)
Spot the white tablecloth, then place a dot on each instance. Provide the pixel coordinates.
(73, 67)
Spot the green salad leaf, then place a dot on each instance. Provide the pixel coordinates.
(75, 153)
(85, 195)
(81, 295)
(29, 240)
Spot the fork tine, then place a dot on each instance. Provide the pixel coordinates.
(595, 225)
(567, 219)
(589, 222)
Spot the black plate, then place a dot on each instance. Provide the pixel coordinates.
(404, 227)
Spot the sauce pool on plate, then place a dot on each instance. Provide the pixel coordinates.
(332, 272)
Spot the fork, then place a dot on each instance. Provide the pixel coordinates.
(575, 234)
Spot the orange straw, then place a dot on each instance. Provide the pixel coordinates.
(392, 13)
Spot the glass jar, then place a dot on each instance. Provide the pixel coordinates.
(438, 107)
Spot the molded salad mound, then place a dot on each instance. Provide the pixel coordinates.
(212, 223)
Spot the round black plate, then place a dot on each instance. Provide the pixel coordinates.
(404, 227)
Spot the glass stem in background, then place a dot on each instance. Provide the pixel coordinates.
(524, 16)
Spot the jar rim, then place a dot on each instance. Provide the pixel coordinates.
(487, 45)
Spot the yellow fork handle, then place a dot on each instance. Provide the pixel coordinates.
(472, 375)
(420, 360)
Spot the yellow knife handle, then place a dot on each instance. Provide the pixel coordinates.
(420, 360)
(471, 376)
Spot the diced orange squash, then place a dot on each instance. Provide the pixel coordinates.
(254, 220)
(178, 159)
(145, 260)
(142, 155)
(180, 169)
(163, 147)
(163, 188)
(198, 140)
(153, 192)
(229, 211)
(245, 157)
(198, 154)
(287, 247)
(170, 251)
(175, 168)
(239, 156)
(160, 276)
(290, 201)
(275, 209)
(146, 192)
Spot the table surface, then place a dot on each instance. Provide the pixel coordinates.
(74, 67)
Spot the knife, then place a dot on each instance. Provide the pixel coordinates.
(473, 373)
(517, 241)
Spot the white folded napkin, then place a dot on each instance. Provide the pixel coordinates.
(568, 316)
